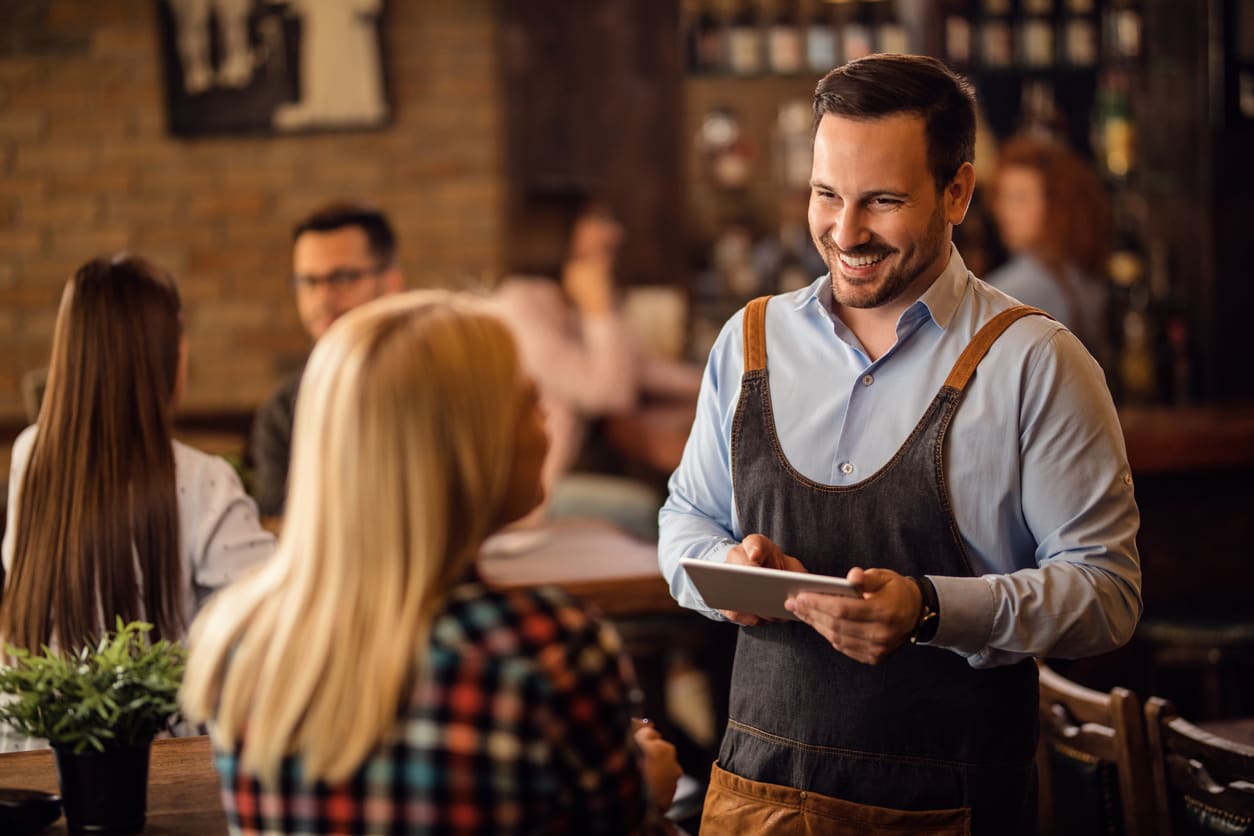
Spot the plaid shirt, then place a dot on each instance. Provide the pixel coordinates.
(520, 724)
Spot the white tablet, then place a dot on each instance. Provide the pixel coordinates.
(753, 589)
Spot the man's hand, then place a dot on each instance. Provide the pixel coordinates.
(868, 628)
(756, 550)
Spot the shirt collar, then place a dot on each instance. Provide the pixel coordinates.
(940, 301)
(942, 298)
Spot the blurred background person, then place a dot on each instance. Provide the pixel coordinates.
(1053, 215)
(367, 678)
(343, 255)
(560, 301)
(108, 515)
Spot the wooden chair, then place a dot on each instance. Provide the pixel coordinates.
(1092, 760)
(1204, 784)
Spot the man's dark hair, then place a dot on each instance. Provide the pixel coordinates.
(886, 85)
(380, 239)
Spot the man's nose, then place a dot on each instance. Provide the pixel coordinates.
(849, 230)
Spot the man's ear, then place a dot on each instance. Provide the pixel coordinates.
(393, 280)
(958, 192)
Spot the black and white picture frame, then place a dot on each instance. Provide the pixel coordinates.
(272, 66)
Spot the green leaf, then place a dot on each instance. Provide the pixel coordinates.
(117, 692)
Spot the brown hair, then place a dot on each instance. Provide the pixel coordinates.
(878, 86)
(539, 231)
(97, 516)
(1077, 208)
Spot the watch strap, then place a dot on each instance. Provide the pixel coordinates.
(929, 612)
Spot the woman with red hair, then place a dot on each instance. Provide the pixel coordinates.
(1054, 217)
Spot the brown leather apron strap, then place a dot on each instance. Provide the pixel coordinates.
(755, 334)
(983, 340)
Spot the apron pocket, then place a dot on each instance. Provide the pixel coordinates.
(735, 805)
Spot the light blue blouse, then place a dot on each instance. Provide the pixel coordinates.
(1035, 461)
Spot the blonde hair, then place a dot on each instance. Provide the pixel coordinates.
(402, 453)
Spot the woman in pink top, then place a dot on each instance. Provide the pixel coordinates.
(559, 301)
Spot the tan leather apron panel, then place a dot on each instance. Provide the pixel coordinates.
(735, 805)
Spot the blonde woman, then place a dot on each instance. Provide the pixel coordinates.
(99, 492)
(366, 679)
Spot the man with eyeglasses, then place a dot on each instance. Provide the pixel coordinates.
(343, 255)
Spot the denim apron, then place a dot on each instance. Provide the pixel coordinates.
(816, 741)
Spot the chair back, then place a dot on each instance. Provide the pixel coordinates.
(1092, 761)
(1204, 784)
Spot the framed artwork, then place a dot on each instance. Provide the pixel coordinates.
(272, 66)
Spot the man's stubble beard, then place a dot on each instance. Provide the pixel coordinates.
(918, 258)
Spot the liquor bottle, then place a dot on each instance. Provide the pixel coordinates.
(1137, 371)
(1132, 331)
(1174, 350)
(705, 38)
(1079, 38)
(958, 35)
(820, 38)
(855, 31)
(996, 35)
(1036, 34)
(793, 151)
(1115, 132)
(745, 45)
(1123, 31)
(784, 47)
(1038, 111)
(887, 33)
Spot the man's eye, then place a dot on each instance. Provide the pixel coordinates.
(343, 276)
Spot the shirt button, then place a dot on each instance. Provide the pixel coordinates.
(868, 379)
(846, 468)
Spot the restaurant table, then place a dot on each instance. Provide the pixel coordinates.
(592, 560)
(182, 785)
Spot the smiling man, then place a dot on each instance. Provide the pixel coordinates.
(988, 515)
(343, 255)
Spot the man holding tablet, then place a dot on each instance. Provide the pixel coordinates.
(951, 453)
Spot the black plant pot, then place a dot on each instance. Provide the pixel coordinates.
(104, 792)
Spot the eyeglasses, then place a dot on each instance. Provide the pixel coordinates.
(339, 279)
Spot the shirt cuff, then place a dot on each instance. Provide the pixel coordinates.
(685, 591)
(966, 614)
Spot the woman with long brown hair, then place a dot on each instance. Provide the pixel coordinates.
(108, 515)
(1053, 215)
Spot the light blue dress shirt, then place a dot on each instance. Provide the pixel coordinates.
(1034, 460)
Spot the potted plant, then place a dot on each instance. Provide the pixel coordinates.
(99, 708)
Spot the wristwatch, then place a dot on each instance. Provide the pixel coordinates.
(929, 612)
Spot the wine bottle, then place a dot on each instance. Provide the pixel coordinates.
(784, 50)
(745, 46)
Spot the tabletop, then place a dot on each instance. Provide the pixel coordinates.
(183, 793)
(591, 560)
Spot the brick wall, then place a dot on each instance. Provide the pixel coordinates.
(86, 167)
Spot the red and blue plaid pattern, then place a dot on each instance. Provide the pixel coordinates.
(520, 724)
